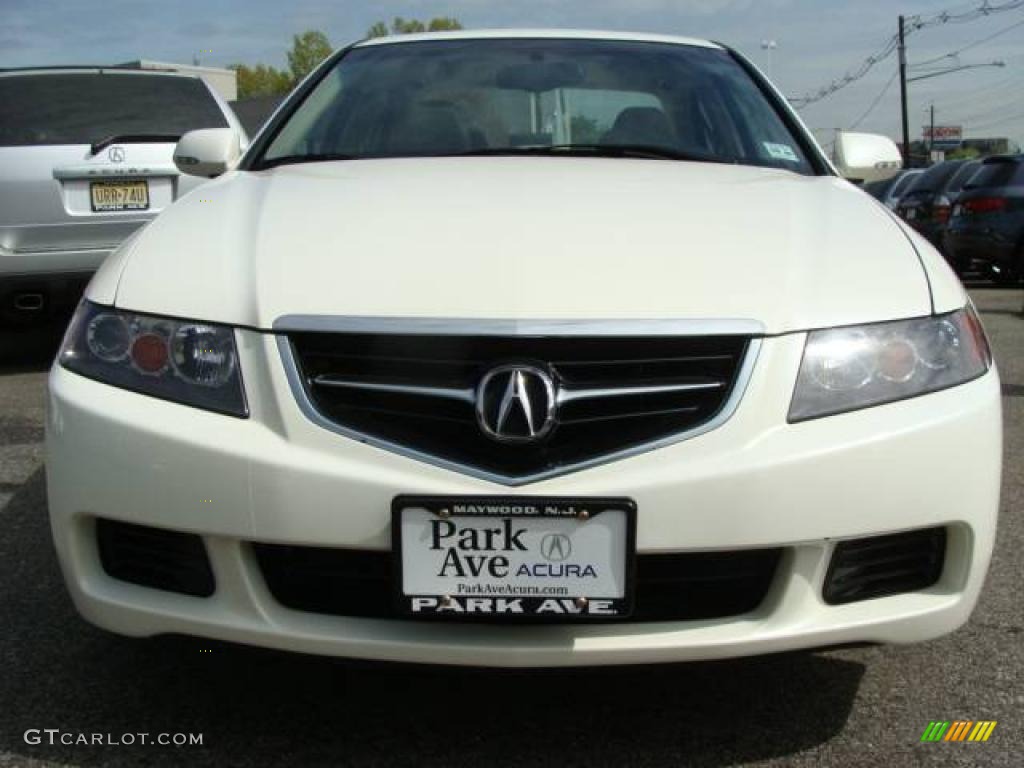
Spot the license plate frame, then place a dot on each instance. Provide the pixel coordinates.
(120, 205)
(561, 512)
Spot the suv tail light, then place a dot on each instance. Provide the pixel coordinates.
(941, 209)
(985, 205)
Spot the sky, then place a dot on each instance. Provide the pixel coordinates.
(816, 41)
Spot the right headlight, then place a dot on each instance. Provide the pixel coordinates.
(189, 362)
(844, 369)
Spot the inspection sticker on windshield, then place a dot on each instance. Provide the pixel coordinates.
(514, 558)
(780, 151)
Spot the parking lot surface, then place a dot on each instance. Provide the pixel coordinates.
(864, 706)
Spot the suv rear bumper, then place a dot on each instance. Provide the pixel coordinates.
(52, 262)
(31, 299)
(982, 248)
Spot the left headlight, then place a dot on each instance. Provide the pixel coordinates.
(844, 369)
(186, 361)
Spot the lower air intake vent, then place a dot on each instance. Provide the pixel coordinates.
(154, 557)
(669, 587)
(885, 565)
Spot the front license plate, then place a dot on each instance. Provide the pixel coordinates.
(514, 558)
(119, 195)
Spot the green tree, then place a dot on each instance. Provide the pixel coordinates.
(400, 26)
(308, 50)
(380, 29)
(260, 80)
(442, 23)
(963, 153)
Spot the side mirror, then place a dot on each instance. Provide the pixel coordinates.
(866, 157)
(207, 152)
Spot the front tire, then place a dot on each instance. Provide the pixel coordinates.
(1011, 275)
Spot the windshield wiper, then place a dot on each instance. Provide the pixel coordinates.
(321, 157)
(589, 150)
(132, 138)
(652, 152)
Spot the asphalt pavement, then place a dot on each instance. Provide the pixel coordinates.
(864, 706)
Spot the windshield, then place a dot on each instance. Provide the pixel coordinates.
(934, 179)
(903, 184)
(82, 108)
(961, 177)
(997, 173)
(512, 96)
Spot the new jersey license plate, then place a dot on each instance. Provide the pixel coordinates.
(514, 558)
(119, 195)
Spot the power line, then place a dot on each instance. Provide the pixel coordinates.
(987, 8)
(982, 100)
(974, 113)
(969, 46)
(874, 103)
(986, 124)
(913, 23)
(850, 77)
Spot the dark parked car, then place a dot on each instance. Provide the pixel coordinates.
(889, 191)
(986, 228)
(927, 204)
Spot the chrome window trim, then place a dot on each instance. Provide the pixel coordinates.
(743, 377)
(450, 326)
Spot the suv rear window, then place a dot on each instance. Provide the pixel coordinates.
(935, 178)
(1000, 173)
(903, 184)
(81, 108)
(962, 176)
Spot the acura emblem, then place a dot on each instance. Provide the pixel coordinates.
(116, 154)
(516, 403)
(555, 547)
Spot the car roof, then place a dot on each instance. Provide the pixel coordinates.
(550, 34)
(993, 159)
(98, 69)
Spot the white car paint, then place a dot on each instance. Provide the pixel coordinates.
(321, 237)
(646, 240)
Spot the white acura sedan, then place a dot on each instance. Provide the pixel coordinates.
(526, 349)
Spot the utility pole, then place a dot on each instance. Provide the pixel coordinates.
(931, 133)
(903, 97)
(770, 46)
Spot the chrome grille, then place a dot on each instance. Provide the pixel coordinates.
(615, 395)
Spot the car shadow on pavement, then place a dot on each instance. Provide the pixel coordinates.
(31, 349)
(258, 707)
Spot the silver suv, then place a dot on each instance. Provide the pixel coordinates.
(86, 158)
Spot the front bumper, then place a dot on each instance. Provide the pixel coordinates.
(753, 482)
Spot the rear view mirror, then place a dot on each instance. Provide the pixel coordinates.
(540, 76)
(866, 157)
(208, 152)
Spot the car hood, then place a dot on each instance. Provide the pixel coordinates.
(526, 238)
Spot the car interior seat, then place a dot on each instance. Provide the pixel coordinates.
(429, 128)
(643, 126)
